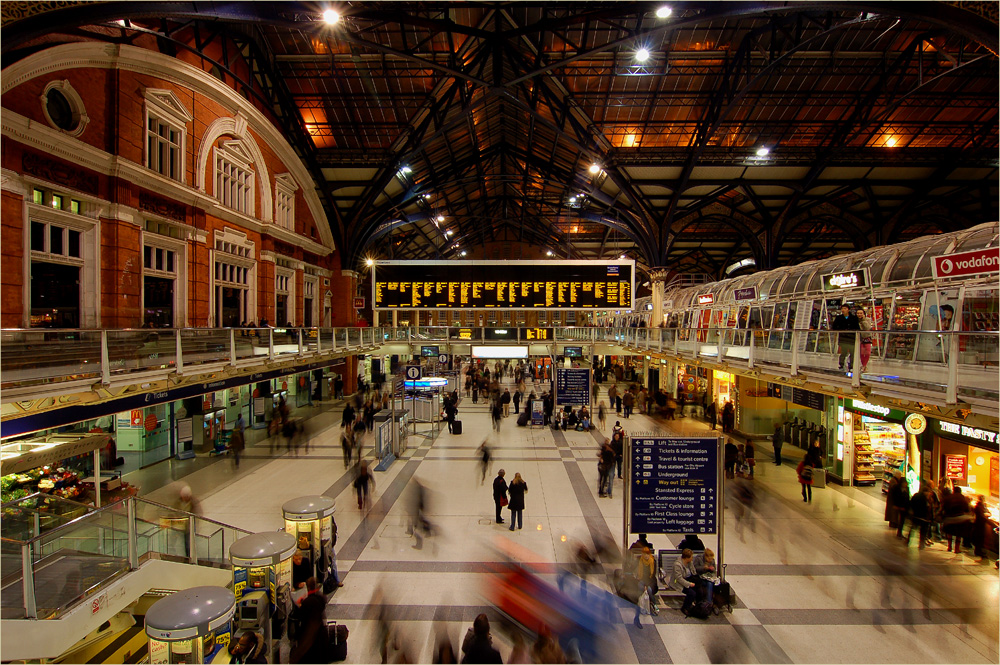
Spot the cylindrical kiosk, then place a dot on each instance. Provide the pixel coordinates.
(310, 520)
(191, 626)
(262, 577)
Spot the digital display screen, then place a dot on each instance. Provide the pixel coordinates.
(429, 351)
(579, 285)
(573, 351)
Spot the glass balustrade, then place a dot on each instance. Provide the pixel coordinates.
(45, 574)
(41, 356)
(138, 350)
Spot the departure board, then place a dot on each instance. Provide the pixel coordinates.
(582, 285)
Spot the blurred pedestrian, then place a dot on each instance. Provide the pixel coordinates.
(517, 489)
(236, 441)
(419, 524)
(485, 460)
(347, 444)
(602, 415)
(499, 494)
(749, 456)
(958, 519)
(804, 471)
(364, 482)
(477, 646)
(980, 528)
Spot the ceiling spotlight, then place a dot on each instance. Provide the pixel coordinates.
(642, 55)
(623, 257)
(369, 262)
(427, 197)
(890, 142)
(447, 234)
(664, 12)
(762, 152)
(331, 17)
(405, 170)
(549, 253)
(595, 168)
(462, 253)
(572, 199)
(440, 218)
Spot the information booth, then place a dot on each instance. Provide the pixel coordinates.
(191, 626)
(262, 578)
(310, 520)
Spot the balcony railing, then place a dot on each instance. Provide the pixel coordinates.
(36, 357)
(45, 574)
(946, 366)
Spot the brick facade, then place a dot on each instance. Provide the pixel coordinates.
(121, 205)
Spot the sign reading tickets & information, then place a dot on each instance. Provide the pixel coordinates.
(674, 486)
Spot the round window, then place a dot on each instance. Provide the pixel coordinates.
(59, 109)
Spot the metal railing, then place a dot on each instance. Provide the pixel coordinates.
(62, 566)
(33, 357)
(948, 365)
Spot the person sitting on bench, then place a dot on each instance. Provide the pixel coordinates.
(707, 569)
(572, 420)
(680, 579)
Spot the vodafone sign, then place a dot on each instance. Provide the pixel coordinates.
(966, 263)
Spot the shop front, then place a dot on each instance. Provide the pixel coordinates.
(873, 442)
(967, 457)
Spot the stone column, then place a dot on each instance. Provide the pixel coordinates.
(658, 278)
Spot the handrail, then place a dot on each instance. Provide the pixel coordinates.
(197, 517)
(11, 504)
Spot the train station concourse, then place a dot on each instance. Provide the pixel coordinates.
(595, 332)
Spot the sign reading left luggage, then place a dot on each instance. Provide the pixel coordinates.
(674, 485)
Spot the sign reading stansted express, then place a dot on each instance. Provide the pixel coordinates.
(581, 285)
(966, 263)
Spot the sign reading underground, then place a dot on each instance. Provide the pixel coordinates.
(674, 485)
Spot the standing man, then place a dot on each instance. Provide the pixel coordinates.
(499, 494)
(505, 401)
(628, 401)
(848, 322)
(449, 413)
(777, 440)
(517, 400)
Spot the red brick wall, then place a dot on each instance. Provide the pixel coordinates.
(121, 275)
(342, 300)
(11, 255)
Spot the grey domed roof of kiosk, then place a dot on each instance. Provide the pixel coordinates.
(202, 608)
(304, 505)
(273, 545)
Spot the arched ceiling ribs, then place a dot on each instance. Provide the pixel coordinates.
(735, 82)
(748, 235)
(813, 225)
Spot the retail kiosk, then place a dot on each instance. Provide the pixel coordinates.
(310, 520)
(191, 626)
(262, 576)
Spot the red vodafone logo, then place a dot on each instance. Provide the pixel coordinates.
(967, 263)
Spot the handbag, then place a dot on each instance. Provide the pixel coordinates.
(644, 603)
(503, 501)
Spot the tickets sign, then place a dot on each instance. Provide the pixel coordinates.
(966, 263)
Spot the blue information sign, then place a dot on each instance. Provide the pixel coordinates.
(572, 386)
(674, 485)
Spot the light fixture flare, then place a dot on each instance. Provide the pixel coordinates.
(331, 17)
(763, 151)
(664, 12)
(595, 168)
(642, 55)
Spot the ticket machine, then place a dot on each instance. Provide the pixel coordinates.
(191, 626)
(310, 520)
(262, 576)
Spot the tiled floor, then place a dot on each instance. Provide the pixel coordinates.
(819, 582)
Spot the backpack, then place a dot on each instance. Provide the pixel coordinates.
(702, 610)
(807, 472)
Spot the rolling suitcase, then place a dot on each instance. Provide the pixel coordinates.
(456, 427)
(522, 420)
(337, 645)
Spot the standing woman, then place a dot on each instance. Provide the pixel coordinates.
(865, 325)
(517, 489)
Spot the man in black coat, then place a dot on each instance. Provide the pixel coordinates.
(499, 493)
(849, 322)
